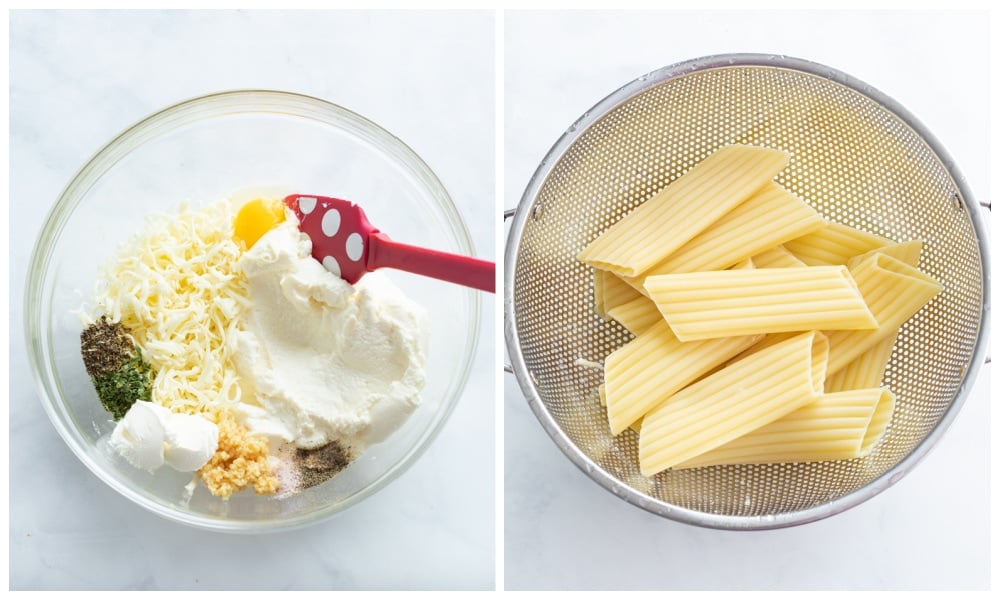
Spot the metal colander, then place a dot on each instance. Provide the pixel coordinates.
(856, 156)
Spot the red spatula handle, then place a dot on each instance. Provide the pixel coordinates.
(463, 270)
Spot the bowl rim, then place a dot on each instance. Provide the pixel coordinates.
(150, 128)
(591, 468)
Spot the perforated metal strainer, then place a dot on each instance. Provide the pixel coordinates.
(857, 156)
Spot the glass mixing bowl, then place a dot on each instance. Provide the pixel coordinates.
(200, 151)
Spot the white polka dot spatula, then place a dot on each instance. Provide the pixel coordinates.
(348, 245)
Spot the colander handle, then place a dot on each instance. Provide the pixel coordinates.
(507, 214)
(989, 208)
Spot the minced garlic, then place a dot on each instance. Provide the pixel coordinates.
(240, 461)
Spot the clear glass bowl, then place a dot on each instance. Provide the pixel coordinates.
(200, 151)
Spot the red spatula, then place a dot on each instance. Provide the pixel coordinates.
(348, 245)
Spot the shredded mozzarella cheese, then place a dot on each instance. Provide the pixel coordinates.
(177, 288)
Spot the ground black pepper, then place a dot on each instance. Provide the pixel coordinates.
(317, 465)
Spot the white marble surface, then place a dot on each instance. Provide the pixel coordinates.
(929, 531)
(78, 78)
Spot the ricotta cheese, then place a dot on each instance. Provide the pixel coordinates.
(318, 359)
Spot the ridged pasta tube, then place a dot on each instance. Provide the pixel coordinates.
(771, 216)
(610, 291)
(733, 401)
(907, 252)
(894, 291)
(837, 426)
(638, 315)
(654, 365)
(777, 257)
(714, 304)
(683, 209)
(865, 371)
(834, 244)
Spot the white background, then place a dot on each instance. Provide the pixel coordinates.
(929, 531)
(77, 79)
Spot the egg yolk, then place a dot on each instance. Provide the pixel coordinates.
(256, 218)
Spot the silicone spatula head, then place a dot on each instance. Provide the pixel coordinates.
(349, 246)
(339, 231)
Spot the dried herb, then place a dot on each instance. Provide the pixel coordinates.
(105, 346)
(317, 465)
(115, 366)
